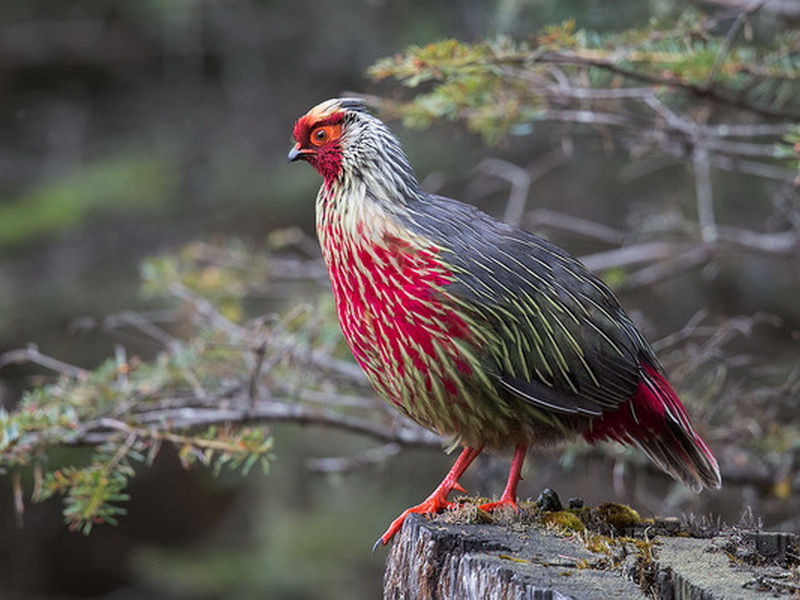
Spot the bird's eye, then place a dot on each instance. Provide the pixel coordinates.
(320, 135)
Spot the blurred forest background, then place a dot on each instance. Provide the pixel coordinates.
(157, 131)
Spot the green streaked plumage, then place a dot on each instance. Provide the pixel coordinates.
(520, 292)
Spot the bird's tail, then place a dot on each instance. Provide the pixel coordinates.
(683, 455)
(656, 421)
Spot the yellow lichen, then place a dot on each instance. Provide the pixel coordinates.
(599, 544)
(512, 558)
(619, 516)
(564, 521)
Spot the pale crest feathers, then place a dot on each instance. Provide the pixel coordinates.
(327, 108)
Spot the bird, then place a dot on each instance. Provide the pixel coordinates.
(481, 332)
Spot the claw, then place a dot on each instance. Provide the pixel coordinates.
(433, 504)
(437, 501)
(507, 502)
(509, 497)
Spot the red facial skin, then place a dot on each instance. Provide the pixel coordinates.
(318, 142)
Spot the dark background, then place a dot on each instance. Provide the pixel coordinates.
(131, 127)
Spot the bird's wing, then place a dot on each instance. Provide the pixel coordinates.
(549, 330)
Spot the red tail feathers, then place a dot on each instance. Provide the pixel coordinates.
(655, 420)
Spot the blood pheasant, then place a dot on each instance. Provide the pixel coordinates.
(475, 329)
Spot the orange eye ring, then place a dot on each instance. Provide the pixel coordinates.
(321, 135)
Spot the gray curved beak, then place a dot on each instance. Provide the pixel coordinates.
(297, 153)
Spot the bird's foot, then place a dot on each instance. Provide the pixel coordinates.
(504, 502)
(509, 497)
(437, 501)
(433, 504)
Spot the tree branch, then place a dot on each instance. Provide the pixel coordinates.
(183, 414)
(31, 354)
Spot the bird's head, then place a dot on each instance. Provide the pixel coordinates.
(340, 139)
(321, 135)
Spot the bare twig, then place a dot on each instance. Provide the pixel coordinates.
(138, 321)
(19, 502)
(686, 254)
(727, 44)
(782, 243)
(260, 352)
(31, 354)
(749, 130)
(704, 194)
(686, 261)
(690, 330)
(520, 182)
(345, 464)
(646, 252)
(590, 229)
(759, 169)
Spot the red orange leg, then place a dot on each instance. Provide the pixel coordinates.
(438, 499)
(509, 497)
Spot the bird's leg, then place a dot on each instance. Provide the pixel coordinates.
(509, 497)
(438, 499)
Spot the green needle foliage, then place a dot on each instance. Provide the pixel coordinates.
(198, 396)
(497, 85)
(123, 413)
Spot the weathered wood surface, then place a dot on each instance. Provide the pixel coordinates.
(437, 560)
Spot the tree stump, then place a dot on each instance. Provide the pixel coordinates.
(441, 560)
